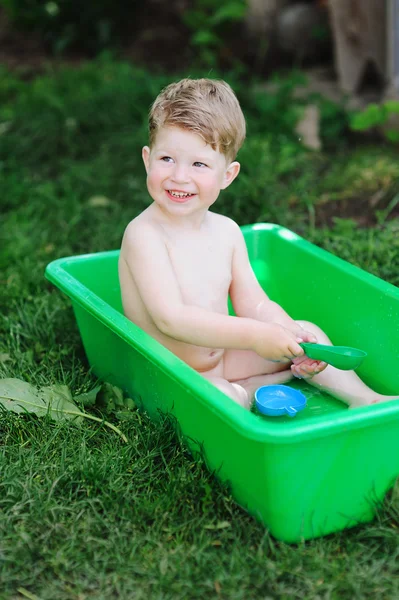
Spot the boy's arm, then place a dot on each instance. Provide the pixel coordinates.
(247, 296)
(148, 260)
(250, 301)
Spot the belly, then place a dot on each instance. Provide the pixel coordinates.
(199, 358)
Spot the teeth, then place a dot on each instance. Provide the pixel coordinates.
(179, 194)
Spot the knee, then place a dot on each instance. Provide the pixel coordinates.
(312, 327)
(242, 396)
(235, 391)
(321, 335)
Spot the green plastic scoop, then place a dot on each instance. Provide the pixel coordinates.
(341, 357)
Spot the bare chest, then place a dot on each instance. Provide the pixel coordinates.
(203, 271)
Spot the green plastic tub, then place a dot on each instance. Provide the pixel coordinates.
(324, 470)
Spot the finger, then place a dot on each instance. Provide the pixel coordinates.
(321, 366)
(315, 364)
(313, 369)
(306, 370)
(295, 350)
(312, 365)
(299, 368)
(310, 337)
(297, 372)
(300, 359)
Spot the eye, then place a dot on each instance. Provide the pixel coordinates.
(167, 159)
(199, 164)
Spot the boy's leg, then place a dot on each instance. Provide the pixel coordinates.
(242, 364)
(233, 390)
(242, 391)
(344, 385)
(249, 371)
(243, 371)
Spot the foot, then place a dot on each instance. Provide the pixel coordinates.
(376, 400)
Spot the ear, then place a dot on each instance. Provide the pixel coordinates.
(145, 153)
(230, 174)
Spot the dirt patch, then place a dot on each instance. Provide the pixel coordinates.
(19, 50)
(158, 43)
(364, 211)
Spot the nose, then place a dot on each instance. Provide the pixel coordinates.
(180, 174)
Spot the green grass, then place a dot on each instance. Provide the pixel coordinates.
(83, 515)
(86, 516)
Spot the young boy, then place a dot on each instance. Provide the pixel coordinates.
(179, 261)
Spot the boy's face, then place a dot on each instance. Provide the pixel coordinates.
(184, 174)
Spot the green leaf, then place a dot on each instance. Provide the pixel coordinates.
(204, 37)
(110, 397)
(392, 136)
(194, 19)
(129, 403)
(373, 116)
(233, 11)
(88, 398)
(59, 400)
(56, 401)
(392, 106)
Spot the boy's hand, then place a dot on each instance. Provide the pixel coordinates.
(304, 367)
(276, 343)
(305, 336)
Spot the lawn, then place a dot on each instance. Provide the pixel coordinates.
(83, 514)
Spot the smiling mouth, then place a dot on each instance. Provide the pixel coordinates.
(180, 195)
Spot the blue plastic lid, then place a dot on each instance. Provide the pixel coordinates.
(278, 400)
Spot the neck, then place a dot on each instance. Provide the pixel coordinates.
(192, 222)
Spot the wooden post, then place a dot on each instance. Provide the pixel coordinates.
(359, 29)
(261, 15)
(393, 44)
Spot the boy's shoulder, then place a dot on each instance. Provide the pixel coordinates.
(144, 227)
(222, 221)
(143, 220)
(138, 229)
(225, 224)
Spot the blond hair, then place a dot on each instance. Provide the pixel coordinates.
(207, 107)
